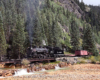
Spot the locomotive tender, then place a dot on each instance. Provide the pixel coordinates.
(45, 52)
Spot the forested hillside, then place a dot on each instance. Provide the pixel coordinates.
(25, 23)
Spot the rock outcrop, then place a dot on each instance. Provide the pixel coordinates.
(72, 7)
(68, 60)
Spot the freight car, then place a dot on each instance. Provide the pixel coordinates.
(82, 53)
(45, 52)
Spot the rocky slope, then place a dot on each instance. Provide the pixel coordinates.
(72, 7)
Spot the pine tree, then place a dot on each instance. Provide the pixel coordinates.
(67, 14)
(48, 4)
(56, 32)
(74, 32)
(37, 37)
(44, 28)
(3, 45)
(19, 37)
(49, 29)
(88, 41)
(8, 20)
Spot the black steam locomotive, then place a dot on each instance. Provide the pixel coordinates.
(45, 52)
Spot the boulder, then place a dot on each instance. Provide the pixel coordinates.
(40, 65)
(7, 73)
(28, 70)
(0, 73)
(2, 65)
(46, 67)
(4, 73)
(37, 69)
(62, 64)
(13, 71)
(33, 68)
(51, 66)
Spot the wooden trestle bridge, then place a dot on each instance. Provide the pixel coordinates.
(15, 61)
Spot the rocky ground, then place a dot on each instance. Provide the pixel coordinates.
(74, 72)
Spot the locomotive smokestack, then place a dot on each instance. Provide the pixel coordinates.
(31, 47)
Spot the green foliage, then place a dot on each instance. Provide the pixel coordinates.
(19, 37)
(37, 32)
(74, 31)
(98, 58)
(93, 60)
(97, 37)
(66, 41)
(82, 61)
(56, 62)
(67, 53)
(89, 42)
(3, 45)
(48, 3)
(47, 20)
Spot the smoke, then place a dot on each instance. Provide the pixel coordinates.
(31, 10)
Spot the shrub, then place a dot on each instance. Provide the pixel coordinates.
(67, 53)
(56, 62)
(25, 61)
(78, 63)
(82, 61)
(93, 60)
(98, 59)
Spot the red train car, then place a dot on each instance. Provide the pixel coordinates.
(81, 53)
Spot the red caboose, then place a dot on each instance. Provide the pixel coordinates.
(81, 53)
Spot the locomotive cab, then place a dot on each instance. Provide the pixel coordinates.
(58, 52)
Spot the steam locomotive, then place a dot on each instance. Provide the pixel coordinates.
(44, 52)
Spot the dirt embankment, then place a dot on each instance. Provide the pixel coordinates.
(74, 72)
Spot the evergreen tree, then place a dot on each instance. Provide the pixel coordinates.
(45, 27)
(56, 33)
(37, 33)
(48, 4)
(49, 29)
(74, 33)
(8, 20)
(19, 37)
(88, 41)
(3, 45)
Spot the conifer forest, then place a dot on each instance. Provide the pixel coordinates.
(25, 23)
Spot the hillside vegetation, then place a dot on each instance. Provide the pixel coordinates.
(25, 23)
